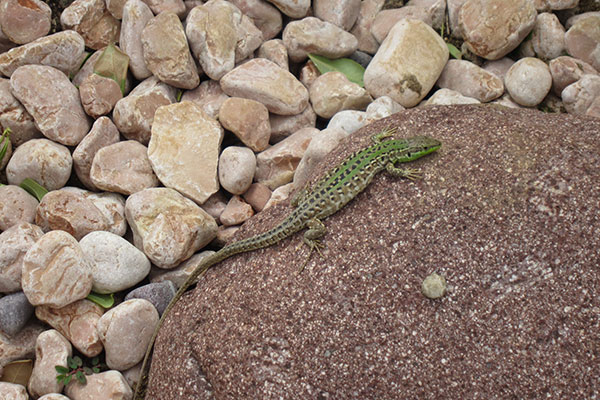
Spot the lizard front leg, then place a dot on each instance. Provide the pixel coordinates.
(409, 173)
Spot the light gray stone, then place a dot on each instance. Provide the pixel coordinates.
(105, 385)
(116, 264)
(236, 169)
(342, 13)
(528, 81)
(125, 331)
(471, 81)
(15, 117)
(333, 92)
(16, 205)
(136, 15)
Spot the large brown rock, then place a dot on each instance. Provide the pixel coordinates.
(507, 212)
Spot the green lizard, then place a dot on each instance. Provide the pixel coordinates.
(328, 195)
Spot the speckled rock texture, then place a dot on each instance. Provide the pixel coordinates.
(507, 212)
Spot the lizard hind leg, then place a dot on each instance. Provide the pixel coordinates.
(316, 230)
(386, 133)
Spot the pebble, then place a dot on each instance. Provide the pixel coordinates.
(274, 50)
(15, 311)
(582, 40)
(13, 391)
(99, 95)
(77, 322)
(283, 126)
(403, 71)
(123, 167)
(14, 244)
(248, 120)
(385, 20)
(342, 13)
(528, 81)
(21, 346)
(90, 19)
(312, 35)
(471, 81)
(51, 350)
(579, 96)
(62, 50)
(53, 396)
(16, 205)
(183, 138)
(236, 169)
(547, 38)
(264, 81)
(71, 212)
(333, 92)
(157, 293)
(115, 263)
(211, 30)
(135, 16)
(46, 162)
(53, 102)
(125, 331)
(166, 52)
(257, 196)
(23, 22)
(103, 133)
(179, 275)
(276, 165)
(168, 227)
(55, 271)
(362, 28)
(319, 147)
(111, 205)
(133, 115)
(16, 118)
(492, 29)
(209, 96)
(108, 384)
(449, 96)
(236, 212)
(566, 70)
(348, 120)
(434, 286)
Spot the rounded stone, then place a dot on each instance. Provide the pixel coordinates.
(434, 286)
(56, 271)
(24, 21)
(125, 331)
(15, 311)
(157, 293)
(42, 160)
(528, 81)
(14, 243)
(16, 205)
(115, 263)
(236, 169)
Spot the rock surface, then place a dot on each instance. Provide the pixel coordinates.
(506, 212)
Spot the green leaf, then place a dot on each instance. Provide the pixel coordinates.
(103, 300)
(60, 378)
(113, 64)
(34, 188)
(67, 379)
(78, 361)
(353, 70)
(5, 142)
(81, 377)
(179, 94)
(454, 52)
(95, 370)
(96, 360)
(60, 369)
(87, 370)
(71, 362)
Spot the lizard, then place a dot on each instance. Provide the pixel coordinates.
(328, 195)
